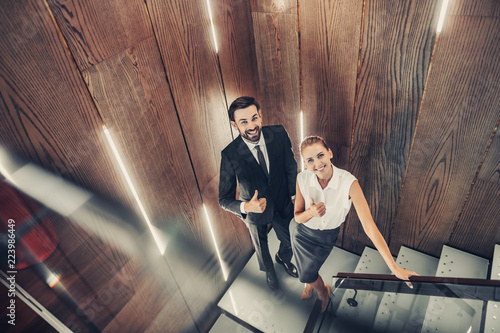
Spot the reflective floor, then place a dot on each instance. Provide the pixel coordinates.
(251, 301)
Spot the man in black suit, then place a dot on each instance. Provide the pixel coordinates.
(261, 164)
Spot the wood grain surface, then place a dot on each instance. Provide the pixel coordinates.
(233, 26)
(478, 226)
(184, 37)
(96, 30)
(398, 39)
(276, 38)
(456, 121)
(329, 46)
(26, 320)
(48, 116)
(274, 6)
(474, 8)
(157, 156)
(133, 97)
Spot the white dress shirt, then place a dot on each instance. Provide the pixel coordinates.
(335, 196)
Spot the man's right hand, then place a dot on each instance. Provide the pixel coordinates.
(255, 205)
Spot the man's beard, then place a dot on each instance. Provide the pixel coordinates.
(253, 139)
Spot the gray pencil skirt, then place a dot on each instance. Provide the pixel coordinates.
(311, 247)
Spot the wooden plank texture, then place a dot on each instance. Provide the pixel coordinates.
(183, 32)
(26, 320)
(474, 8)
(47, 115)
(478, 227)
(458, 115)
(396, 51)
(274, 6)
(132, 95)
(276, 38)
(233, 26)
(185, 41)
(329, 46)
(96, 30)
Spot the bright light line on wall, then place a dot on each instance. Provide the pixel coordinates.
(302, 136)
(222, 266)
(441, 16)
(159, 242)
(212, 24)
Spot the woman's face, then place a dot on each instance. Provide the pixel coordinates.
(317, 159)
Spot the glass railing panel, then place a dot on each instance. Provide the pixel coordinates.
(364, 304)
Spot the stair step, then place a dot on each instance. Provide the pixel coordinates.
(339, 261)
(225, 324)
(495, 265)
(362, 316)
(453, 314)
(402, 312)
(492, 321)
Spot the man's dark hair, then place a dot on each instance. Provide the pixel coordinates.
(242, 103)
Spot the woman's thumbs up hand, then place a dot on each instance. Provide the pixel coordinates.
(317, 210)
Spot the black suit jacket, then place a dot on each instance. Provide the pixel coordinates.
(238, 163)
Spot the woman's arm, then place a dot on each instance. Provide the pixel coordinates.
(371, 230)
(302, 215)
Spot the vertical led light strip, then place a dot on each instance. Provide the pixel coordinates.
(212, 24)
(159, 242)
(222, 266)
(301, 136)
(441, 16)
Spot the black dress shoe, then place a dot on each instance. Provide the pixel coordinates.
(272, 280)
(289, 267)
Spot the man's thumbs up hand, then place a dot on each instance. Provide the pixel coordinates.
(317, 210)
(256, 205)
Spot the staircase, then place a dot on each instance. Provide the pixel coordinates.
(374, 311)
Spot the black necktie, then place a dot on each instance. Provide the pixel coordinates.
(262, 161)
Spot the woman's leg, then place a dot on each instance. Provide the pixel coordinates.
(320, 287)
(323, 291)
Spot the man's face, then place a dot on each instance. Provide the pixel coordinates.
(248, 122)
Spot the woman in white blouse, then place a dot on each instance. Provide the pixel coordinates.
(323, 199)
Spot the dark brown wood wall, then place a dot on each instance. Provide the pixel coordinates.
(150, 73)
(413, 116)
(369, 85)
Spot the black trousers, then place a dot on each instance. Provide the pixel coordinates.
(258, 233)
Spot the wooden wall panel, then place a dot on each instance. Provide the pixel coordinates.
(26, 319)
(184, 37)
(276, 38)
(474, 8)
(274, 6)
(96, 30)
(478, 226)
(133, 97)
(398, 39)
(329, 46)
(185, 41)
(47, 115)
(233, 26)
(49, 118)
(458, 115)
